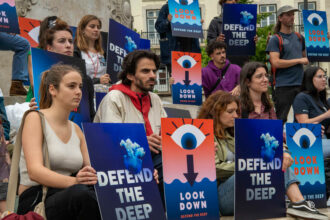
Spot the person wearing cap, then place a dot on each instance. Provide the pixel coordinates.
(288, 59)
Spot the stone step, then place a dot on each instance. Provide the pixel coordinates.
(11, 100)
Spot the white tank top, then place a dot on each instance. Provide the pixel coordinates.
(65, 158)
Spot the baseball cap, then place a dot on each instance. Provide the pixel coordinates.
(286, 8)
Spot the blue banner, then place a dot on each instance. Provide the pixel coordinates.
(259, 179)
(239, 28)
(121, 41)
(305, 143)
(316, 40)
(120, 155)
(186, 18)
(144, 44)
(8, 17)
(43, 60)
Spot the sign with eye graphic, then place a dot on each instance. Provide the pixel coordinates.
(240, 30)
(186, 70)
(8, 17)
(305, 143)
(259, 179)
(126, 188)
(186, 18)
(316, 40)
(30, 30)
(189, 169)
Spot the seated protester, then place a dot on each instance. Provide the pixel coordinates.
(256, 104)
(132, 101)
(56, 36)
(220, 74)
(71, 178)
(88, 46)
(223, 108)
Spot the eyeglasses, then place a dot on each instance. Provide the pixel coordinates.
(52, 22)
(322, 76)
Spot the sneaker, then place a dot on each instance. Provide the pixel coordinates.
(305, 210)
(17, 88)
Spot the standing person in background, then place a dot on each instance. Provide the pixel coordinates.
(20, 74)
(88, 46)
(288, 55)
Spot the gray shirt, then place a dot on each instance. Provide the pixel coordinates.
(292, 49)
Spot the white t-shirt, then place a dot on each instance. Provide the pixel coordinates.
(96, 65)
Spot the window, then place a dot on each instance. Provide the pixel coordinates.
(270, 19)
(311, 6)
(152, 34)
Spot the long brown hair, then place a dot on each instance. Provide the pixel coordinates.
(53, 76)
(213, 107)
(81, 41)
(247, 72)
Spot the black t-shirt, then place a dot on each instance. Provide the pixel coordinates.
(305, 104)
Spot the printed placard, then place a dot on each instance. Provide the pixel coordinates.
(189, 169)
(43, 60)
(30, 30)
(122, 42)
(187, 73)
(305, 143)
(144, 44)
(259, 179)
(316, 40)
(8, 17)
(239, 28)
(186, 18)
(126, 188)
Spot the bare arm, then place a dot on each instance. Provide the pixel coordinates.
(303, 118)
(281, 63)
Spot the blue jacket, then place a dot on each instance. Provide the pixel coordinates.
(170, 43)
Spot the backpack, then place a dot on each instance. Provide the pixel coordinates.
(280, 46)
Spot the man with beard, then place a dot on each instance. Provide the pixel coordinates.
(287, 53)
(220, 74)
(132, 101)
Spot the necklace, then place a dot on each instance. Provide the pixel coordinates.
(95, 65)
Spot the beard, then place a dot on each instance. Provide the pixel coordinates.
(145, 89)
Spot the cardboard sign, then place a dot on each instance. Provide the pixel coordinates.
(126, 188)
(186, 18)
(189, 169)
(316, 40)
(259, 179)
(43, 60)
(239, 28)
(186, 71)
(30, 30)
(120, 43)
(305, 143)
(8, 17)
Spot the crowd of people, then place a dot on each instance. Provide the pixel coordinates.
(233, 86)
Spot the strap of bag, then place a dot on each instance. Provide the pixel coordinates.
(223, 73)
(13, 178)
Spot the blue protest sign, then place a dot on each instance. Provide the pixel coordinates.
(259, 179)
(316, 40)
(305, 143)
(43, 60)
(144, 44)
(8, 17)
(239, 28)
(120, 155)
(186, 18)
(121, 41)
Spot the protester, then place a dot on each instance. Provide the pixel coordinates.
(256, 104)
(288, 58)
(132, 101)
(70, 193)
(20, 74)
(88, 46)
(220, 74)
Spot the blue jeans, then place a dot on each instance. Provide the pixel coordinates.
(326, 147)
(226, 191)
(21, 48)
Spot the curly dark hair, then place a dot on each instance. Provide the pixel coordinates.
(214, 46)
(130, 63)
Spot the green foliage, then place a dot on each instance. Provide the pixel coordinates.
(205, 57)
(245, 1)
(262, 33)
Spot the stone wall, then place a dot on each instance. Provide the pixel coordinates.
(69, 10)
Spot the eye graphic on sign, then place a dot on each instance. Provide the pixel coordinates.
(315, 19)
(304, 138)
(189, 137)
(184, 2)
(186, 62)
